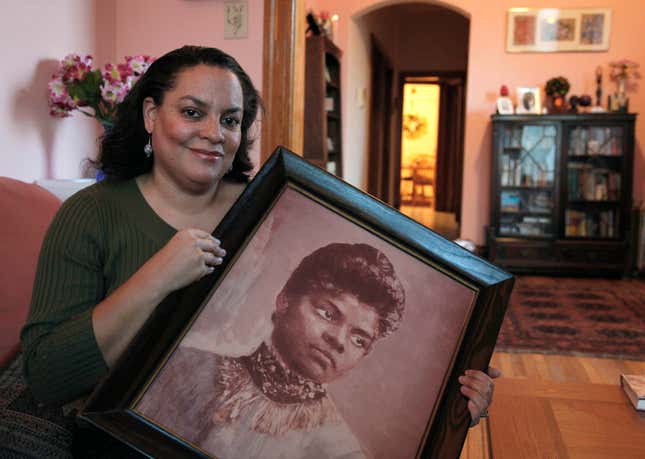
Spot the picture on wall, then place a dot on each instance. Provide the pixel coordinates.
(547, 30)
(335, 327)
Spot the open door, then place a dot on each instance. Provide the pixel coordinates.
(380, 170)
(448, 167)
(450, 151)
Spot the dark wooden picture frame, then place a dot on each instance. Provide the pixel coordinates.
(111, 408)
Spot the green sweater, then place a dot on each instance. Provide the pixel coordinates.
(97, 240)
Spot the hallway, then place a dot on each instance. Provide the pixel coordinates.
(443, 223)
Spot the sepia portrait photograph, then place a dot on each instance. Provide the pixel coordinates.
(323, 339)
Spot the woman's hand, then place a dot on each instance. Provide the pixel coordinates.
(187, 257)
(478, 387)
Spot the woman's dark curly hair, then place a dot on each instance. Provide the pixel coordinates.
(121, 152)
(359, 269)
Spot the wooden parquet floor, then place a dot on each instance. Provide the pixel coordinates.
(556, 368)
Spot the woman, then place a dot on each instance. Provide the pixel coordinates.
(114, 251)
(175, 161)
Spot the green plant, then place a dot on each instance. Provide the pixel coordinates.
(558, 86)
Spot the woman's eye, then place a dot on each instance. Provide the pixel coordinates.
(359, 341)
(192, 113)
(324, 313)
(230, 121)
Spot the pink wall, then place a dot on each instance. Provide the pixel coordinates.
(35, 35)
(155, 27)
(34, 145)
(490, 66)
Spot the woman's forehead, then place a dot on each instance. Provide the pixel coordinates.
(207, 81)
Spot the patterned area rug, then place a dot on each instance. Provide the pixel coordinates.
(595, 317)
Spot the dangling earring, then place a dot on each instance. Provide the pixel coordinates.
(147, 149)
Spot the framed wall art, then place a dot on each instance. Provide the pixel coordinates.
(548, 30)
(336, 326)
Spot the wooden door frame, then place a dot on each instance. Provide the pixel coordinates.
(397, 147)
(379, 181)
(283, 76)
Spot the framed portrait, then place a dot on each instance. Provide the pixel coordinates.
(336, 326)
(528, 101)
(505, 106)
(546, 30)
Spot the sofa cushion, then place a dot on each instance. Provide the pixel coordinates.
(25, 213)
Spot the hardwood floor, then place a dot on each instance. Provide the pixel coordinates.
(538, 367)
(564, 368)
(557, 368)
(443, 223)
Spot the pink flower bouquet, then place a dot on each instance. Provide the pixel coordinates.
(75, 86)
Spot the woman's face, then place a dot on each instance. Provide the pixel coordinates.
(325, 334)
(196, 131)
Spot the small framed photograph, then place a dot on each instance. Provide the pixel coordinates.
(336, 327)
(546, 30)
(505, 106)
(528, 101)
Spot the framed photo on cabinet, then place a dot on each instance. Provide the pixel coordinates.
(505, 106)
(528, 101)
(324, 291)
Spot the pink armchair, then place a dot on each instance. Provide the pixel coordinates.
(25, 213)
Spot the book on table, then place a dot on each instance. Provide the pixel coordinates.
(634, 387)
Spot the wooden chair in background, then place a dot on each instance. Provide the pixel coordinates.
(423, 171)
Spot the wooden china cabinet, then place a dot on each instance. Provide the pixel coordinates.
(561, 193)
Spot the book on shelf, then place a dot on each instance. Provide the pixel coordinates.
(602, 224)
(606, 141)
(512, 138)
(540, 202)
(589, 183)
(634, 387)
(524, 171)
(330, 145)
(327, 75)
(329, 104)
(510, 201)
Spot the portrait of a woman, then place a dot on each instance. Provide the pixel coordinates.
(336, 305)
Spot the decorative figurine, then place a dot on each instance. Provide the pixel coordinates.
(598, 107)
(622, 72)
(574, 101)
(599, 86)
(584, 101)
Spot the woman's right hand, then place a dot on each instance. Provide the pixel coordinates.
(187, 257)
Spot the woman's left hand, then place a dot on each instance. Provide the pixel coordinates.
(478, 387)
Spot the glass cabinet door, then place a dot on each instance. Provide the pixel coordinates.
(527, 167)
(594, 162)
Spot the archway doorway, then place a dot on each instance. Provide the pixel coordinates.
(424, 44)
